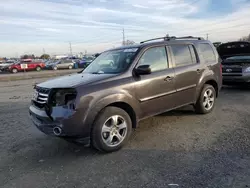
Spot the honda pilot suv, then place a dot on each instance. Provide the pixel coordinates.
(100, 105)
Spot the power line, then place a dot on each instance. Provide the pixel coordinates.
(123, 37)
(70, 48)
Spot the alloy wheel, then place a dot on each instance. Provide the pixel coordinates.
(208, 99)
(114, 130)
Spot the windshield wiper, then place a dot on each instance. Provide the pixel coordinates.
(96, 73)
(99, 72)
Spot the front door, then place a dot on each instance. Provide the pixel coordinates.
(187, 71)
(155, 91)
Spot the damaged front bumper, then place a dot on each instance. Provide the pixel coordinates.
(62, 122)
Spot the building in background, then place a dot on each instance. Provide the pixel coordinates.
(59, 56)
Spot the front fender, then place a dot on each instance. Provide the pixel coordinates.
(94, 104)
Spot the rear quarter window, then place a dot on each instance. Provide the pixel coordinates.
(207, 52)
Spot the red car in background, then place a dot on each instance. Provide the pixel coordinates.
(27, 65)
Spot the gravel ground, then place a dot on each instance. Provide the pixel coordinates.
(175, 149)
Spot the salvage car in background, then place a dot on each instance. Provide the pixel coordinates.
(5, 66)
(62, 64)
(85, 61)
(26, 65)
(235, 62)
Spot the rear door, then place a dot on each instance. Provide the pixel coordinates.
(155, 91)
(187, 71)
(65, 64)
(31, 65)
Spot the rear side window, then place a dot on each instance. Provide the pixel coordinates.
(207, 52)
(182, 55)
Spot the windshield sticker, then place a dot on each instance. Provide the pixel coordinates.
(131, 50)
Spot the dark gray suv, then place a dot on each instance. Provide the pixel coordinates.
(103, 103)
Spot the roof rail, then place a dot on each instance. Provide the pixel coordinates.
(164, 38)
(190, 37)
(173, 38)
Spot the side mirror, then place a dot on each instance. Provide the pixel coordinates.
(143, 69)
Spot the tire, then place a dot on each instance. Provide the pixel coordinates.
(206, 101)
(14, 71)
(38, 68)
(55, 68)
(104, 131)
(70, 66)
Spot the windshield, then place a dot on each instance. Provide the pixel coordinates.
(112, 62)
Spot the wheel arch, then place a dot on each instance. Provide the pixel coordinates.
(127, 108)
(209, 81)
(214, 84)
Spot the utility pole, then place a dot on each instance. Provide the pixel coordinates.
(207, 36)
(70, 48)
(123, 37)
(43, 51)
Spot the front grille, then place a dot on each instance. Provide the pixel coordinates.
(40, 96)
(230, 75)
(232, 69)
(42, 90)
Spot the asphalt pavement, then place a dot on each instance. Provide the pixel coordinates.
(174, 149)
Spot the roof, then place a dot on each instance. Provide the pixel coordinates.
(171, 41)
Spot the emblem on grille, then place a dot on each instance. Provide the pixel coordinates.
(229, 70)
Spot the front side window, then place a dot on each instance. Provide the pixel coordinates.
(112, 62)
(182, 55)
(207, 53)
(156, 58)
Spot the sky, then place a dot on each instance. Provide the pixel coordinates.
(37, 26)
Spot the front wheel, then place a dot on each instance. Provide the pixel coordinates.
(206, 101)
(14, 71)
(38, 69)
(111, 129)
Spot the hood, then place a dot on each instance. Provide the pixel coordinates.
(74, 80)
(232, 49)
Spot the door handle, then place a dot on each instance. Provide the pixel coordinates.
(168, 78)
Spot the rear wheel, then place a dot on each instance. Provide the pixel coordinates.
(206, 101)
(14, 71)
(38, 68)
(111, 129)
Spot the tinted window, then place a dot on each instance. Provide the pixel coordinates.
(155, 57)
(182, 55)
(207, 52)
(66, 61)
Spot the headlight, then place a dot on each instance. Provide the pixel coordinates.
(61, 97)
(247, 69)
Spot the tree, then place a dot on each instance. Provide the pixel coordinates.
(45, 56)
(26, 56)
(245, 38)
(129, 42)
